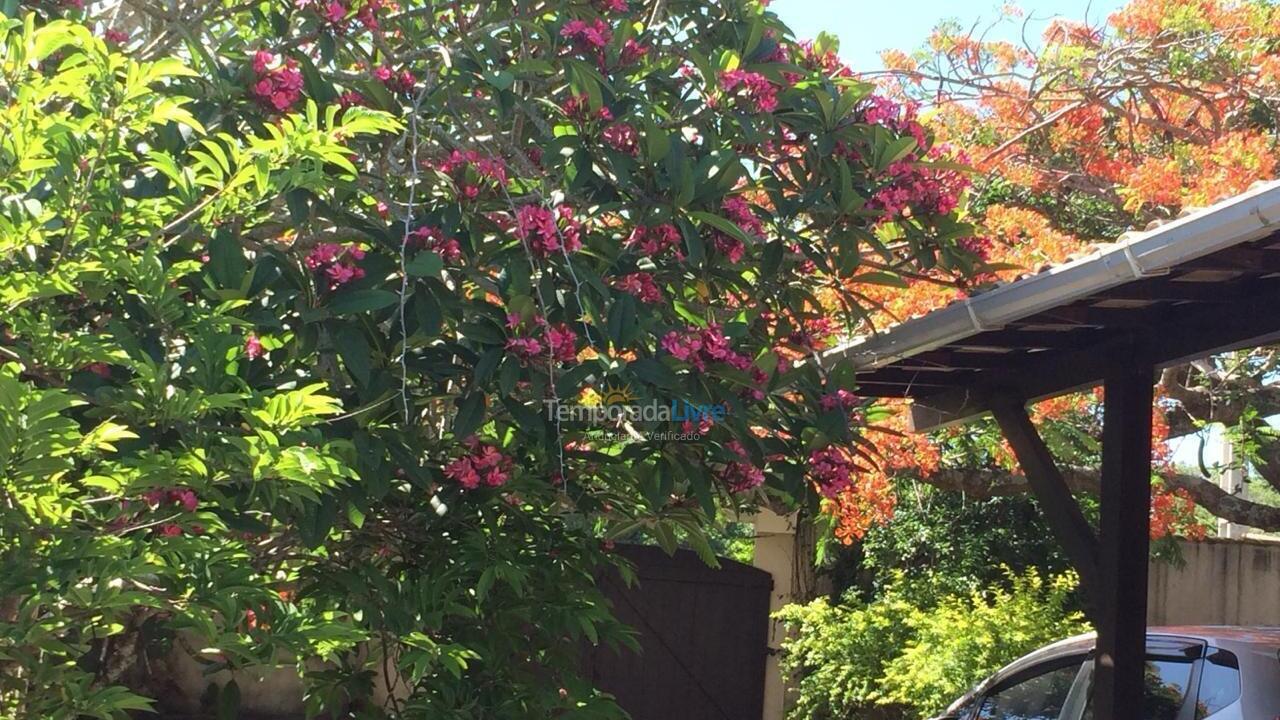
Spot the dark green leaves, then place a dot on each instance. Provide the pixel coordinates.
(359, 301)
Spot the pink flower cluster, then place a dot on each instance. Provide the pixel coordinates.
(826, 62)
(588, 38)
(814, 334)
(979, 247)
(619, 6)
(401, 82)
(433, 239)
(351, 98)
(253, 347)
(901, 119)
(700, 347)
(278, 85)
(561, 340)
(336, 12)
(739, 211)
(915, 190)
(639, 285)
(832, 470)
(632, 52)
(753, 88)
(622, 137)
(546, 232)
(184, 497)
(653, 241)
(577, 107)
(337, 262)
(473, 173)
(116, 37)
(741, 475)
(483, 464)
(839, 400)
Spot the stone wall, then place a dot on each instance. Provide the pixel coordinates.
(1220, 582)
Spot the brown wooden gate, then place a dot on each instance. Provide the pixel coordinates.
(703, 633)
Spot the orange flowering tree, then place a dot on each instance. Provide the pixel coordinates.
(1168, 104)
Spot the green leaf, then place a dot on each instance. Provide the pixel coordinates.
(470, 413)
(654, 372)
(355, 352)
(425, 264)
(358, 301)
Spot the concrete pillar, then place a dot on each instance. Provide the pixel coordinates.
(1230, 479)
(776, 554)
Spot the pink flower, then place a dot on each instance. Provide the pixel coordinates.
(186, 498)
(100, 369)
(563, 341)
(524, 348)
(840, 399)
(753, 88)
(335, 12)
(472, 173)
(632, 52)
(741, 475)
(336, 262)
(117, 37)
(832, 470)
(578, 108)
(622, 137)
(433, 239)
(729, 246)
(545, 232)
(368, 14)
(739, 211)
(639, 285)
(340, 274)
(587, 36)
(653, 241)
(253, 347)
(619, 6)
(814, 334)
(262, 60)
(701, 346)
(280, 87)
(170, 530)
(401, 82)
(351, 98)
(482, 464)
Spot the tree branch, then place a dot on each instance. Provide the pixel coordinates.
(991, 482)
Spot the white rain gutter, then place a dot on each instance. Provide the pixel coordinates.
(1240, 219)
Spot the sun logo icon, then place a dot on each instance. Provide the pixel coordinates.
(616, 395)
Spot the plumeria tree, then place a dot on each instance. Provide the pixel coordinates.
(296, 294)
(1095, 130)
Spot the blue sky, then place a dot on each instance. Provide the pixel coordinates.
(865, 27)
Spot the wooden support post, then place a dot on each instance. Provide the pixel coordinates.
(1056, 502)
(1125, 540)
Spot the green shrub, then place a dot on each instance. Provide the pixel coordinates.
(855, 660)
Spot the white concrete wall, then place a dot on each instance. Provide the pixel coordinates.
(1221, 582)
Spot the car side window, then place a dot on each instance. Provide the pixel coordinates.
(1040, 697)
(1219, 682)
(1165, 682)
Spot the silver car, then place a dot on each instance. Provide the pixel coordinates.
(1223, 673)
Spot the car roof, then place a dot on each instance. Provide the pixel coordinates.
(1217, 635)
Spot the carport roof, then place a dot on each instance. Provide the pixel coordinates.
(1203, 283)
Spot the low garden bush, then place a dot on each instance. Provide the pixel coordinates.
(899, 657)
